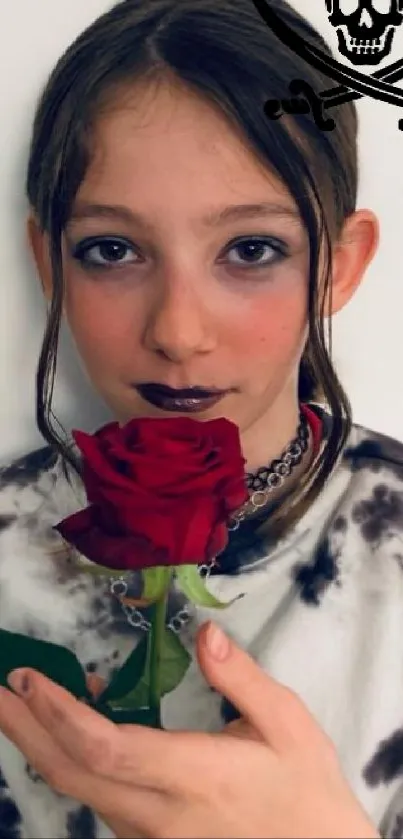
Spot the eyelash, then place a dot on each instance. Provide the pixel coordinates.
(82, 250)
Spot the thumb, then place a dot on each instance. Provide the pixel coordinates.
(275, 711)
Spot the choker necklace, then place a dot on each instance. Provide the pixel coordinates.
(268, 478)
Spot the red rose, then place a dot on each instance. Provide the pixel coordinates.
(160, 490)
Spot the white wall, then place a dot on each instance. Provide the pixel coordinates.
(368, 335)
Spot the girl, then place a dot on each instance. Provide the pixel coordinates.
(197, 249)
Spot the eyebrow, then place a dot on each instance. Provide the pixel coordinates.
(234, 212)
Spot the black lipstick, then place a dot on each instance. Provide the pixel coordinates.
(188, 400)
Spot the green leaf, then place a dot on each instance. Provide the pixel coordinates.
(128, 676)
(194, 588)
(175, 661)
(56, 662)
(156, 582)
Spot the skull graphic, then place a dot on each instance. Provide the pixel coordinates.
(365, 30)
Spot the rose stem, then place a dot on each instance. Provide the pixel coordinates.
(156, 640)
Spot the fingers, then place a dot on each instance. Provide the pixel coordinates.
(85, 736)
(243, 730)
(160, 760)
(144, 810)
(276, 712)
(33, 740)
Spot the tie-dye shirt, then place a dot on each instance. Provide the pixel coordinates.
(321, 610)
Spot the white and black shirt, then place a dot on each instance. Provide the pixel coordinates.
(321, 611)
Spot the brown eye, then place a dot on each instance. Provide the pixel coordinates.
(252, 251)
(112, 251)
(256, 252)
(105, 253)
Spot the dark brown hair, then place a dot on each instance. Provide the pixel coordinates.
(223, 50)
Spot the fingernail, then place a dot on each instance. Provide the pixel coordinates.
(217, 642)
(20, 682)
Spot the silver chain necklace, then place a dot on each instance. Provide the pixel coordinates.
(268, 478)
(119, 589)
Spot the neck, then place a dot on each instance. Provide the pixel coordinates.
(296, 474)
(267, 437)
(275, 495)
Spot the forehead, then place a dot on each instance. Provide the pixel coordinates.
(157, 139)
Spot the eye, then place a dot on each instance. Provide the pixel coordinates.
(347, 7)
(105, 252)
(382, 6)
(256, 252)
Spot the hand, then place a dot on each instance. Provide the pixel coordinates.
(274, 773)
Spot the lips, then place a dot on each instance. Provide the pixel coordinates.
(189, 400)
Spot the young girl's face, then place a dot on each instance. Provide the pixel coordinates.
(186, 264)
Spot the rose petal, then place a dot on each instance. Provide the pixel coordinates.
(161, 491)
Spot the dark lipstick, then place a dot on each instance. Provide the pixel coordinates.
(188, 400)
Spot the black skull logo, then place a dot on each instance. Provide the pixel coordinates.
(366, 34)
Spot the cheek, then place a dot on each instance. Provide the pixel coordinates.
(264, 328)
(99, 324)
(273, 329)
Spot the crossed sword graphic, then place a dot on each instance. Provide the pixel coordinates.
(354, 85)
(339, 95)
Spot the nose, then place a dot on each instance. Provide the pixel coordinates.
(178, 323)
(366, 19)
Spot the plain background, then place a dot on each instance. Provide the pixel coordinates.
(368, 335)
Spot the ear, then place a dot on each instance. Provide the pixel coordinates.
(352, 254)
(39, 244)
